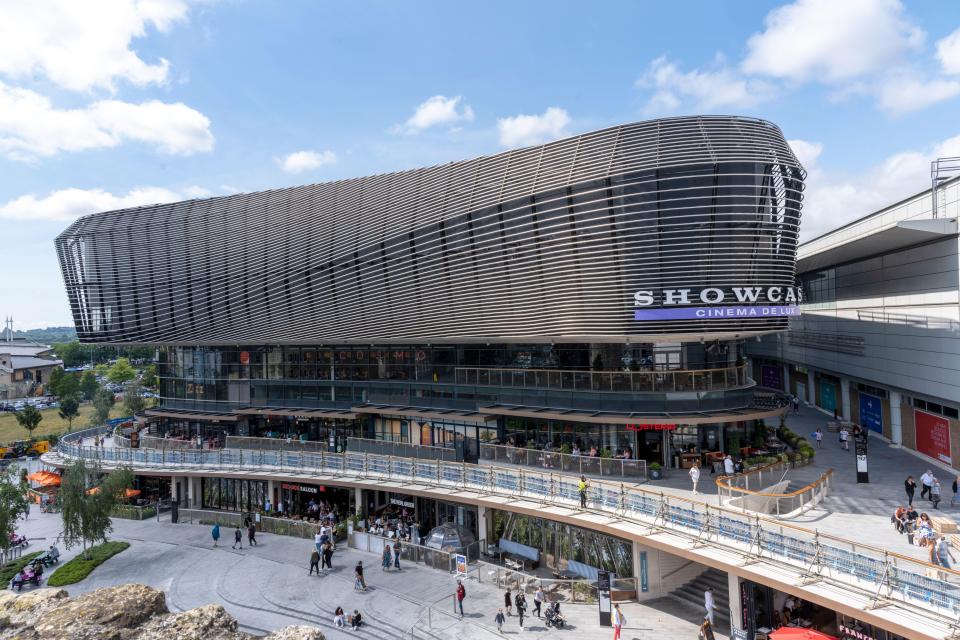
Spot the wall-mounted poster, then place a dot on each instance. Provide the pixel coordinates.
(771, 376)
(933, 435)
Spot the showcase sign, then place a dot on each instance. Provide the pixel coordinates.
(716, 296)
(707, 313)
(933, 435)
(651, 427)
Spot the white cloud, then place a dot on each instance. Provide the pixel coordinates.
(301, 161)
(524, 130)
(69, 204)
(84, 45)
(831, 41)
(720, 87)
(30, 126)
(832, 199)
(948, 53)
(437, 111)
(908, 90)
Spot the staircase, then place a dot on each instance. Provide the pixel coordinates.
(692, 593)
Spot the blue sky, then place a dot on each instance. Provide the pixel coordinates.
(117, 103)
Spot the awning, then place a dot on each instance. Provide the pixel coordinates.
(189, 415)
(797, 633)
(296, 413)
(129, 493)
(429, 414)
(605, 417)
(45, 478)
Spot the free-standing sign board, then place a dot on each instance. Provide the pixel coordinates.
(603, 598)
(461, 566)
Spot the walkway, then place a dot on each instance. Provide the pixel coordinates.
(267, 587)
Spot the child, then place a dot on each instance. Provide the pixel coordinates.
(237, 539)
(499, 619)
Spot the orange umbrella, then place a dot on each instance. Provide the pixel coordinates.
(796, 633)
(93, 492)
(130, 493)
(45, 478)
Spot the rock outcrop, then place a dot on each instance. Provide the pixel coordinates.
(126, 612)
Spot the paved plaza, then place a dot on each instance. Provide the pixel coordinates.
(267, 587)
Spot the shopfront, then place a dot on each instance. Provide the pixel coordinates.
(231, 494)
(425, 513)
(852, 629)
(298, 496)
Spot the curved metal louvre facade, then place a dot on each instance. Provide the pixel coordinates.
(541, 243)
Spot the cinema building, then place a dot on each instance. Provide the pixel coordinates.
(593, 294)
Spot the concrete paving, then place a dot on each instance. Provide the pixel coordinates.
(267, 587)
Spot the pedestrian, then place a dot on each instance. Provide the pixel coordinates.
(499, 619)
(396, 554)
(461, 594)
(318, 540)
(818, 436)
(935, 493)
(215, 533)
(237, 539)
(706, 631)
(796, 405)
(359, 583)
(327, 556)
(926, 483)
(618, 621)
(844, 439)
(356, 620)
(338, 617)
(314, 563)
(538, 599)
(582, 487)
(508, 602)
(910, 486)
(945, 556)
(387, 559)
(521, 602)
(252, 535)
(708, 604)
(695, 476)
(728, 467)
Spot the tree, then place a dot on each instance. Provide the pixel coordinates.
(54, 381)
(149, 378)
(69, 409)
(70, 385)
(102, 403)
(86, 515)
(13, 505)
(29, 418)
(73, 353)
(88, 385)
(133, 400)
(121, 371)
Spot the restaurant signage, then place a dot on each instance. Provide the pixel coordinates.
(651, 427)
(849, 633)
(703, 313)
(299, 487)
(400, 502)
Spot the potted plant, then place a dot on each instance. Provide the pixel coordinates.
(656, 471)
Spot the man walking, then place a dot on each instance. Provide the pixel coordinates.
(538, 599)
(314, 563)
(360, 584)
(708, 604)
(926, 484)
(695, 476)
(521, 602)
(796, 406)
(237, 539)
(618, 621)
(252, 535)
(818, 436)
(844, 439)
(461, 594)
(582, 487)
(396, 554)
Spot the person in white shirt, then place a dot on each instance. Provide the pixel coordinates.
(844, 439)
(728, 465)
(695, 475)
(708, 604)
(926, 484)
(618, 621)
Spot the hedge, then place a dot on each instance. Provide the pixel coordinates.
(12, 568)
(133, 513)
(79, 568)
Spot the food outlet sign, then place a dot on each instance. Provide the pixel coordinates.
(684, 304)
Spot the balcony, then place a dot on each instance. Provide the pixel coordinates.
(671, 381)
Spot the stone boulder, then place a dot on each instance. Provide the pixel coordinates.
(125, 612)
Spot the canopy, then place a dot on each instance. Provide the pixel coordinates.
(45, 478)
(130, 493)
(797, 633)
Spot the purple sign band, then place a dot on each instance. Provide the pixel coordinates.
(710, 313)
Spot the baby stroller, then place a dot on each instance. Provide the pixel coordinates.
(17, 540)
(28, 575)
(553, 617)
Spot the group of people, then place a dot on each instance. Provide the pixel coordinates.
(929, 489)
(248, 526)
(313, 511)
(354, 619)
(393, 523)
(730, 467)
(324, 545)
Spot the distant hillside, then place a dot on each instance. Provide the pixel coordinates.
(48, 335)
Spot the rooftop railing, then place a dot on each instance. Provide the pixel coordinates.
(625, 381)
(883, 576)
(635, 470)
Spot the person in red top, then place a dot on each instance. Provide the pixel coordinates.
(461, 594)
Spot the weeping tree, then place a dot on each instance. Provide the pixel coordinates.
(87, 497)
(13, 505)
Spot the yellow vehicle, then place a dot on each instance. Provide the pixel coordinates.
(38, 448)
(22, 448)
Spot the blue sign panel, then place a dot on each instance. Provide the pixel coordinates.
(828, 396)
(710, 313)
(871, 412)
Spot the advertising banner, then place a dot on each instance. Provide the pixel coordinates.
(933, 435)
(708, 313)
(828, 396)
(871, 412)
(771, 376)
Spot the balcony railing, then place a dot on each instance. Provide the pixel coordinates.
(669, 381)
(635, 470)
(873, 572)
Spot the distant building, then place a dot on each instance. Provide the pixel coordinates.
(24, 366)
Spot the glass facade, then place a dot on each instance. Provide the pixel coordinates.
(231, 494)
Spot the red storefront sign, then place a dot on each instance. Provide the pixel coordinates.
(651, 427)
(933, 435)
(244, 357)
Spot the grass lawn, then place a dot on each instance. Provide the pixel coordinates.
(52, 423)
(77, 569)
(12, 568)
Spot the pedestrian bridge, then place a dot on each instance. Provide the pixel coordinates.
(897, 593)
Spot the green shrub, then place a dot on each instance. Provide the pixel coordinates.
(566, 449)
(79, 568)
(12, 568)
(133, 513)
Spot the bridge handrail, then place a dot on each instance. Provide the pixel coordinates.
(868, 569)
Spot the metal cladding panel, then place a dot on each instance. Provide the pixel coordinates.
(542, 243)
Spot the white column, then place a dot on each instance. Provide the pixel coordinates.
(358, 501)
(896, 425)
(845, 397)
(733, 588)
(482, 524)
(811, 388)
